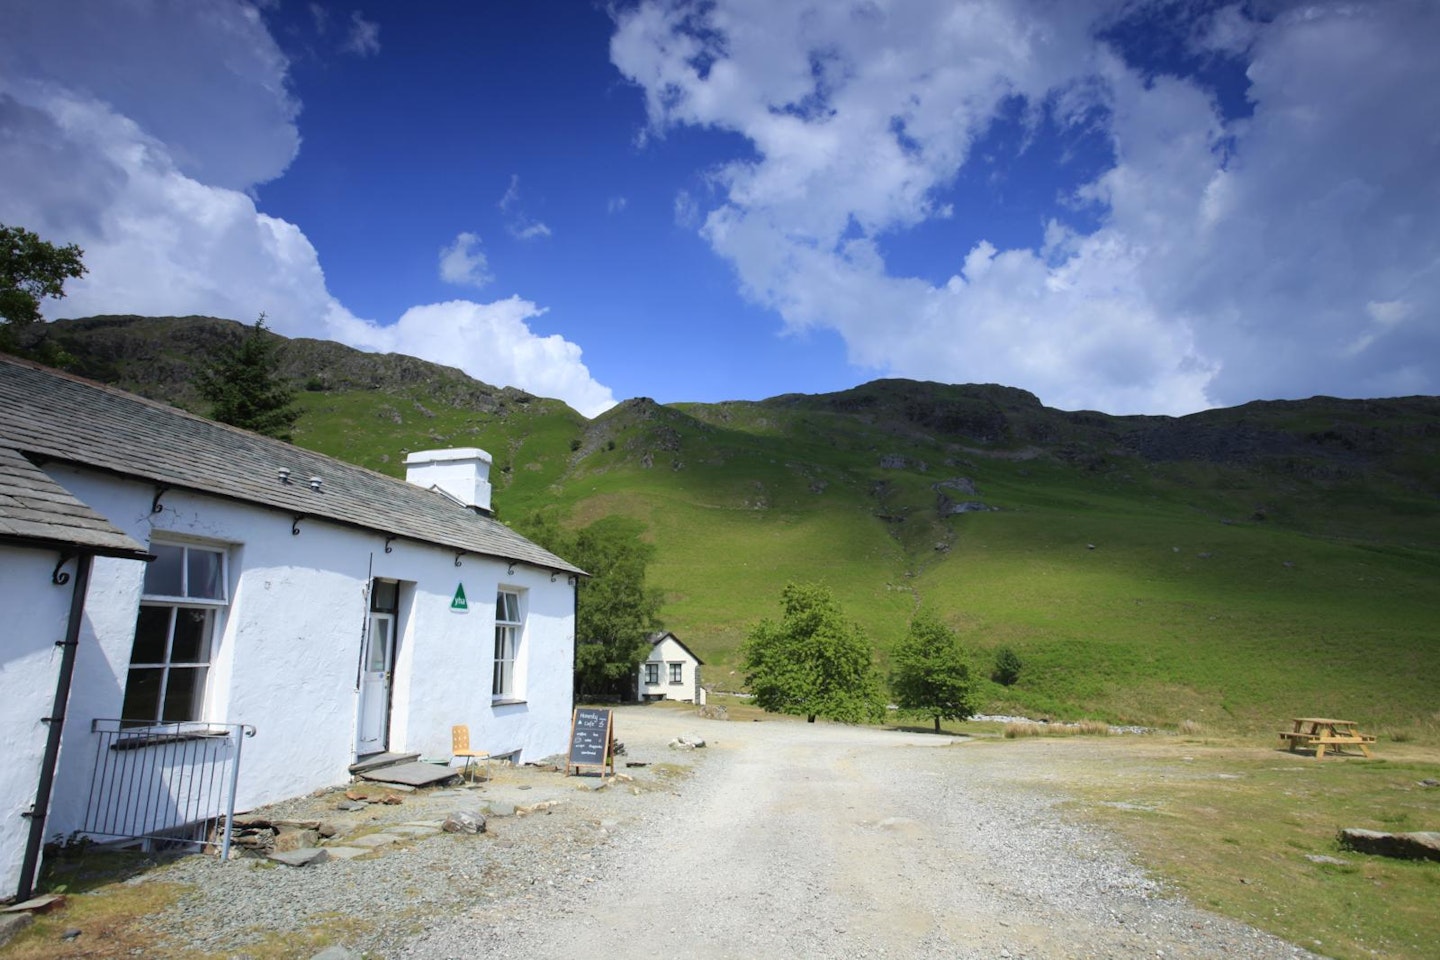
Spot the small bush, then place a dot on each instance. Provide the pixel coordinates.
(1190, 728)
(1007, 667)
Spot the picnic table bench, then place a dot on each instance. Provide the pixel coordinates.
(1323, 733)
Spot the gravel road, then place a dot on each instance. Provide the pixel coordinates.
(818, 841)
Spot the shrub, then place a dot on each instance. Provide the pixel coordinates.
(1007, 667)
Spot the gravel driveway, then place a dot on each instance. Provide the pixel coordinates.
(799, 840)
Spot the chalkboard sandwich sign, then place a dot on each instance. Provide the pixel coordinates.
(592, 740)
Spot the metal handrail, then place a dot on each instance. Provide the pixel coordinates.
(152, 780)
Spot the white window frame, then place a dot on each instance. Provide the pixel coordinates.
(652, 673)
(214, 608)
(509, 632)
(677, 671)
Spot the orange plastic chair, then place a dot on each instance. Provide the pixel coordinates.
(460, 747)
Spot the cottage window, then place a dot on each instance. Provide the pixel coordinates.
(652, 673)
(507, 642)
(677, 672)
(181, 604)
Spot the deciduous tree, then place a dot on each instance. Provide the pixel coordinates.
(31, 270)
(930, 675)
(244, 387)
(812, 662)
(618, 610)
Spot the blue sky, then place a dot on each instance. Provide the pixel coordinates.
(1137, 206)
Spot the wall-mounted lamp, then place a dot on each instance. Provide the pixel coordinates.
(284, 474)
(315, 484)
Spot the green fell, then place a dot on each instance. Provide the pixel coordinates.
(1233, 567)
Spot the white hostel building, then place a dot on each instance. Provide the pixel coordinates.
(188, 607)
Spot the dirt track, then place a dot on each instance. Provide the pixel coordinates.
(798, 840)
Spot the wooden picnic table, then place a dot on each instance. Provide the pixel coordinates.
(1324, 733)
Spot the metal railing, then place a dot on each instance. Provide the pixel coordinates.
(164, 782)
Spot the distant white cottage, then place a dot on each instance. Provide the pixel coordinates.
(185, 602)
(670, 672)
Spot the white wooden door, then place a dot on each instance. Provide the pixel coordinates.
(373, 726)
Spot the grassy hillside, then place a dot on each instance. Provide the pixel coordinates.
(1233, 567)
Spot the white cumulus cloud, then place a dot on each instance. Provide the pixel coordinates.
(494, 343)
(151, 180)
(1221, 258)
(464, 263)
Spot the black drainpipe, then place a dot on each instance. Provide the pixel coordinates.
(575, 643)
(56, 721)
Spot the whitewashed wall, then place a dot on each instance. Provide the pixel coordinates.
(36, 612)
(666, 652)
(289, 654)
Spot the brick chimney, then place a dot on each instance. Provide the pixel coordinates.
(463, 473)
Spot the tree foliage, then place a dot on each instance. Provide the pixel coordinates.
(1007, 667)
(930, 675)
(244, 387)
(31, 270)
(618, 611)
(812, 662)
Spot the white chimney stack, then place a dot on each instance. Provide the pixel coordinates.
(463, 473)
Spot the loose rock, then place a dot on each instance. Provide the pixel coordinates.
(464, 821)
(1405, 846)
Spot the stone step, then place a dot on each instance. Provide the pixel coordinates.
(377, 761)
(410, 773)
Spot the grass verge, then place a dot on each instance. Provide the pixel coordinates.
(1250, 832)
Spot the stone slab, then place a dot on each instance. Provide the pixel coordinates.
(41, 904)
(412, 774)
(1423, 845)
(378, 760)
(302, 857)
(413, 830)
(347, 853)
(373, 840)
(336, 953)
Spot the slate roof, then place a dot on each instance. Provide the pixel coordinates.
(48, 414)
(36, 510)
(658, 638)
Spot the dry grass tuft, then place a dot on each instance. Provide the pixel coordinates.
(1014, 731)
(1091, 728)
(1085, 728)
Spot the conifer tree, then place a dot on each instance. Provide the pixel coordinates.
(244, 387)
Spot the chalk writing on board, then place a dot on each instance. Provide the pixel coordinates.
(590, 737)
